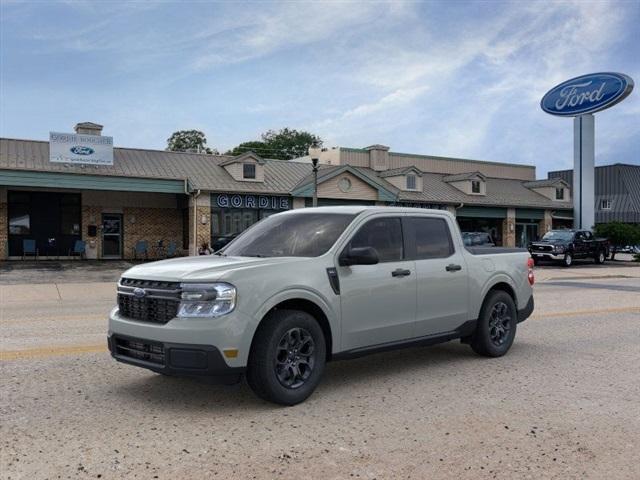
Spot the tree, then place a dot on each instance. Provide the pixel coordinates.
(257, 147)
(189, 141)
(619, 234)
(284, 144)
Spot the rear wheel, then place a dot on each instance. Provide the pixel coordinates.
(496, 328)
(287, 357)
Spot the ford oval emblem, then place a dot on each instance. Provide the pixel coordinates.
(80, 150)
(587, 94)
(139, 292)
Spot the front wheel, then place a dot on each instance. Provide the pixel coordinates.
(600, 257)
(287, 357)
(496, 328)
(567, 261)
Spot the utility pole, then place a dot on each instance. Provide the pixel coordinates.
(314, 153)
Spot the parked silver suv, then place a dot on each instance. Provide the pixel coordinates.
(307, 286)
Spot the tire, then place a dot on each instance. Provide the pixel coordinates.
(600, 257)
(496, 328)
(286, 376)
(536, 262)
(567, 261)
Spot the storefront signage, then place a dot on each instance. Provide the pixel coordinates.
(587, 94)
(80, 149)
(268, 202)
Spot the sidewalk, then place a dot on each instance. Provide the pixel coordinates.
(17, 272)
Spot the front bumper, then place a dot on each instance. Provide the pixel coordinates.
(547, 255)
(526, 311)
(204, 361)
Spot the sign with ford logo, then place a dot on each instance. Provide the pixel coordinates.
(80, 149)
(587, 94)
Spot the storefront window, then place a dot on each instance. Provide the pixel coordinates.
(233, 214)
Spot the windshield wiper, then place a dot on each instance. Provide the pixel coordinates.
(220, 254)
(257, 255)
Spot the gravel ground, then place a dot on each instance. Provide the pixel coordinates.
(562, 404)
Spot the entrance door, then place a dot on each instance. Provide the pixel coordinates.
(525, 233)
(111, 235)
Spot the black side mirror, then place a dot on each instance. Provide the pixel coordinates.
(359, 256)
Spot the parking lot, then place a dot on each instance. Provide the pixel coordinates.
(562, 404)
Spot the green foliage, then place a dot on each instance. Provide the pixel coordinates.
(619, 234)
(259, 148)
(284, 144)
(189, 141)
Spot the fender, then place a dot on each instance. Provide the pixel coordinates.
(327, 306)
(489, 284)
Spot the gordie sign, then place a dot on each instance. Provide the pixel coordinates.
(587, 94)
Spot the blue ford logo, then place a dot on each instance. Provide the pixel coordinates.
(80, 150)
(139, 292)
(587, 94)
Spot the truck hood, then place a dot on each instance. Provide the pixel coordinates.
(206, 268)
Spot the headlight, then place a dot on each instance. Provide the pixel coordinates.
(559, 248)
(206, 299)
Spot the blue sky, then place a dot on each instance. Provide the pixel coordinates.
(461, 79)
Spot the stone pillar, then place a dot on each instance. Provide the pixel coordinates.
(545, 224)
(452, 210)
(4, 227)
(509, 229)
(202, 222)
(92, 215)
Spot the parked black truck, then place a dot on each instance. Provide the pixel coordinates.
(566, 245)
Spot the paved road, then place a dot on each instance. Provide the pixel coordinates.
(562, 404)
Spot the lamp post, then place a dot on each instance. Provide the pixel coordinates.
(314, 153)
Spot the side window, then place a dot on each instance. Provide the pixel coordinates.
(383, 234)
(431, 238)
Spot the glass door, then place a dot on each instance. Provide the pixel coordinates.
(111, 235)
(525, 233)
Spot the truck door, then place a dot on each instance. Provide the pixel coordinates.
(441, 274)
(378, 302)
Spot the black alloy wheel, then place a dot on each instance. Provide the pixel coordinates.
(295, 358)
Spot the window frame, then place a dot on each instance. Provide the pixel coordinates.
(479, 184)
(410, 237)
(244, 171)
(414, 178)
(559, 193)
(403, 242)
(607, 202)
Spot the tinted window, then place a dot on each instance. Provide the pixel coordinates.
(383, 234)
(431, 238)
(290, 235)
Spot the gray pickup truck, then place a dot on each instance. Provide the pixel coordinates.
(308, 286)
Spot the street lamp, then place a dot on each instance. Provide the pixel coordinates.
(314, 153)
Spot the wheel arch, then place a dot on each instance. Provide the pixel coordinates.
(500, 283)
(305, 302)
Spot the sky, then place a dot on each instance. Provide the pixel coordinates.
(446, 78)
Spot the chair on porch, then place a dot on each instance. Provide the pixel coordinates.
(141, 248)
(172, 249)
(79, 248)
(29, 248)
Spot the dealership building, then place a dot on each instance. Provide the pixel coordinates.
(125, 196)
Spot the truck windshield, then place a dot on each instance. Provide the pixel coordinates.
(290, 235)
(558, 235)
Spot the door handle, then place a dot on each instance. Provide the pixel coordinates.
(453, 267)
(400, 272)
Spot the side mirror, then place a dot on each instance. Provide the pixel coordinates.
(359, 256)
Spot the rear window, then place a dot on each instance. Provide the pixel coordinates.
(431, 237)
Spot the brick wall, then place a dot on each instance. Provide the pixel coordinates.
(151, 224)
(509, 229)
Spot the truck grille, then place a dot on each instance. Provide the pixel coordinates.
(148, 301)
(139, 350)
(541, 248)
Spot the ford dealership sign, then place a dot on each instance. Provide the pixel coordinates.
(80, 149)
(587, 94)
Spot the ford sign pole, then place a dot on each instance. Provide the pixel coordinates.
(580, 97)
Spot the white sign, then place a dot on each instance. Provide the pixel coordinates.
(75, 148)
